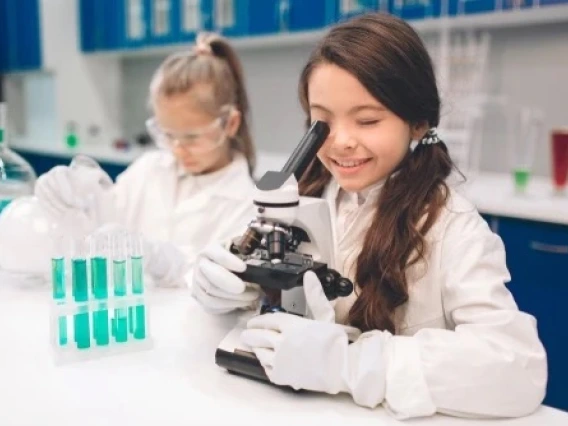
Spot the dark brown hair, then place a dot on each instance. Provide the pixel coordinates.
(388, 58)
(212, 61)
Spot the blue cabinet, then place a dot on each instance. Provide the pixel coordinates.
(111, 24)
(163, 17)
(350, 8)
(42, 163)
(416, 9)
(263, 17)
(537, 258)
(20, 35)
(130, 24)
(126, 24)
(311, 15)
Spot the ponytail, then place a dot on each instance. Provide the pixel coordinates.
(222, 49)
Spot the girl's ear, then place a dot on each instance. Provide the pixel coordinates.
(233, 123)
(419, 130)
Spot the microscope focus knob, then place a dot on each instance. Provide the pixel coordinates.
(328, 283)
(344, 287)
(334, 285)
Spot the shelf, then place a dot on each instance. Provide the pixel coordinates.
(505, 19)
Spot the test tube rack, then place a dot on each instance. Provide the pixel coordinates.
(99, 307)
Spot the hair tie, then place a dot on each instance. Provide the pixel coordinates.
(202, 48)
(431, 137)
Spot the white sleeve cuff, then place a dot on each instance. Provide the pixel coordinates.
(407, 393)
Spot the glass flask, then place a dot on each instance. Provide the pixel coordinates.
(17, 177)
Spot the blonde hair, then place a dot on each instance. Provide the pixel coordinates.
(214, 62)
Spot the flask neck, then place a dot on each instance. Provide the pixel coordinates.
(2, 124)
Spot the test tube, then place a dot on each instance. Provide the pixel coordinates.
(99, 285)
(58, 283)
(120, 322)
(80, 291)
(137, 264)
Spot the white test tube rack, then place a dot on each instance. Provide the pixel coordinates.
(89, 321)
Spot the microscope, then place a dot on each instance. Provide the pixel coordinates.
(290, 235)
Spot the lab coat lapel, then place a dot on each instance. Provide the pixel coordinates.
(233, 183)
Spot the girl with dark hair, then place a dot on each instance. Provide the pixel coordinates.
(439, 330)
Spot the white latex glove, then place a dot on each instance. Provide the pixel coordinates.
(216, 288)
(82, 188)
(314, 354)
(166, 264)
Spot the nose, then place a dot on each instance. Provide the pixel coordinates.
(341, 138)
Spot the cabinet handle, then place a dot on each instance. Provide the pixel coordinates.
(549, 248)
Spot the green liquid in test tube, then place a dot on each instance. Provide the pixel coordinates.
(521, 176)
(58, 281)
(120, 322)
(137, 264)
(100, 291)
(81, 294)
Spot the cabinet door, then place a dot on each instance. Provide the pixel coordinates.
(311, 15)
(349, 8)
(231, 17)
(20, 35)
(9, 34)
(134, 22)
(89, 25)
(4, 45)
(537, 256)
(27, 40)
(111, 24)
(194, 16)
(416, 9)
(163, 21)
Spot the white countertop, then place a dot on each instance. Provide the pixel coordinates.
(175, 383)
(492, 193)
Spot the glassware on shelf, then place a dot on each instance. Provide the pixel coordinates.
(559, 145)
(524, 131)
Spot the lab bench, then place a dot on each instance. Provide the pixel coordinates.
(175, 383)
(533, 227)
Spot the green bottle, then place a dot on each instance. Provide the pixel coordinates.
(71, 138)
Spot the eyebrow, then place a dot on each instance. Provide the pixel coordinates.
(353, 110)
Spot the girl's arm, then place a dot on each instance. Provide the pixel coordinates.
(493, 363)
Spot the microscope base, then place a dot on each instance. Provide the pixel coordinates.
(233, 357)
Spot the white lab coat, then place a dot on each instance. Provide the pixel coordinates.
(155, 198)
(463, 347)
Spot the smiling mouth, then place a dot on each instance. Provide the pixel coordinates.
(350, 163)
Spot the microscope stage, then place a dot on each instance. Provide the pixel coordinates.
(278, 276)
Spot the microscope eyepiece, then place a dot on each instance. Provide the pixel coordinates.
(307, 149)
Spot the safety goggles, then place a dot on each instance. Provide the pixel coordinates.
(203, 139)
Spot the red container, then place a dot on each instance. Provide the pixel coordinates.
(560, 158)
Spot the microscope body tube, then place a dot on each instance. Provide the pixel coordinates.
(307, 149)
